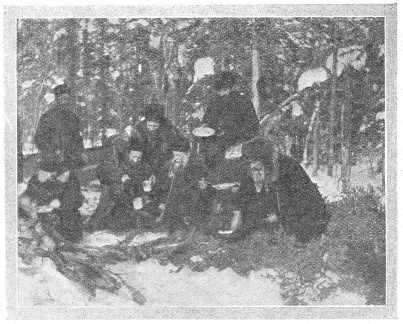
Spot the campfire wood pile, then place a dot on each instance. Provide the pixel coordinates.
(83, 264)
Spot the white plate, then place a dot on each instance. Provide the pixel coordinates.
(43, 210)
(223, 186)
(225, 232)
(203, 131)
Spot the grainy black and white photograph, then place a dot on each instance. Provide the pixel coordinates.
(203, 161)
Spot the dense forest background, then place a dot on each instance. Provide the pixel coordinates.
(317, 84)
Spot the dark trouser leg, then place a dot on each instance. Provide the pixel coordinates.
(214, 152)
(70, 226)
(104, 208)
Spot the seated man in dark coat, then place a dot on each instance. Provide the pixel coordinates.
(231, 115)
(121, 179)
(157, 135)
(55, 194)
(278, 189)
(183, 192)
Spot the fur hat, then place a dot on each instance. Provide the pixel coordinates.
(224, 80)
(61, 89)
(258, 149)
(135, 145)
(154, 112)
(181, 144)
(50, 162)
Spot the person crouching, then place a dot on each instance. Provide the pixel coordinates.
(183, 193)
(121, 180)
(278, 190)
(55, 194)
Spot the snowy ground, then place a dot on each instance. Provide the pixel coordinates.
(330, 187)
(164, 285)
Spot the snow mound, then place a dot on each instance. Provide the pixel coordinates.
(328, 186)
(203, 66)
(102, 238)
(21, 187)
(146, 237)
(362, 176)
(310, 77)
(49, 287)
(353, 56)
(163, 286)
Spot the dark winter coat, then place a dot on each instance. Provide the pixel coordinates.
(59, 129)
(293, 197)
(68, 218)
(158, 144)
(110, 173)
(186, 204)
(234, 117)
(115, 210)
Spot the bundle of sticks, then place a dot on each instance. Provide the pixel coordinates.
(83, 264)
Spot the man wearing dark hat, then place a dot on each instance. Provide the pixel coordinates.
(278, 190)
(55, 192)
(232, 116)
(58, 134)
(122, 180)
(182, 191)
(157, 134)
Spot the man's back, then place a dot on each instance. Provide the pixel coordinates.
(59, 129)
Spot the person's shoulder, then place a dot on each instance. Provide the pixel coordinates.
(68, 111)
(33, 182)
(140, 126)
(288, 165)
(50, 111)
(286, 160)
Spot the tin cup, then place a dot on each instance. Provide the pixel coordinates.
(138, 203)
(147, 185)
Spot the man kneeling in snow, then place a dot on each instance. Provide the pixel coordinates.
(122, 196)
(54, 193)
(277, 189)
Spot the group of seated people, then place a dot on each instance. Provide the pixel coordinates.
(153, 181)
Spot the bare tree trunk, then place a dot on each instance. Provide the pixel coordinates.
(20, 156)
(310, 133)
(316, 141)
(102, 81)
(73, 57)
(345, 133)
(255, 71)
(332, 112)
(383, 169)
(173, 80)
(87, 82)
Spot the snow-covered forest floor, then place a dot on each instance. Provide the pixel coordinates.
(346, 267)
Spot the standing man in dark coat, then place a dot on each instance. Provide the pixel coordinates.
(61, 152)
(231, 115)
(157, 135)
(58, 133)
(278, 189)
